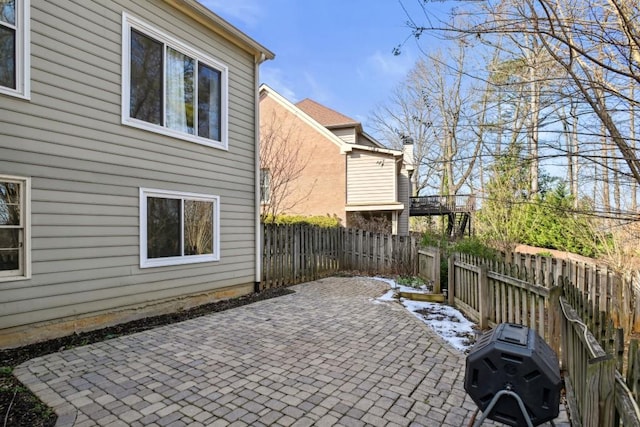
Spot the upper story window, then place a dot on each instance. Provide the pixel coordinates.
(14, 228)
(170, 88)
(14, 47)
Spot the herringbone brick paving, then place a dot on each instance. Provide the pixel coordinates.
(329, 354)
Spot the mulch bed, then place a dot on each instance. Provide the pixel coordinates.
(19, 407)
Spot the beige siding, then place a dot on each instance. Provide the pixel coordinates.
(87, 168)
(348, 135)
(371, 178)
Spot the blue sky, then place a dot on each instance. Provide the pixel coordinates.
(336, 52)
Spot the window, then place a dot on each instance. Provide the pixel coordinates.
(265, 182)
(178, 228)
(14, 47)
(14, 228)
(170, 88)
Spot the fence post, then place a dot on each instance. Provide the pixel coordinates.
(451, 280)
(633, 369)
(606, 372)
(266, 257)
(297, 252)
(436, 272)
(344, 246)
(483, 298)
(554, 330)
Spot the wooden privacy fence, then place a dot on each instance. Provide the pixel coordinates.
(379, 253)
(597, 392)
(602, 385)
(429, 267)
(298, 253)
(607, 291)
(491, 294)
(593, 348)
(590, 379)
(604, 290)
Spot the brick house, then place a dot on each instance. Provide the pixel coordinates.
(345, 172)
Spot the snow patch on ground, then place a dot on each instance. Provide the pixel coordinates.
(445, 320)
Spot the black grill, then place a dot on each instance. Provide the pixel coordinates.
(512, 362)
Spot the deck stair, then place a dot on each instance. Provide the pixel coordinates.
(457, 208)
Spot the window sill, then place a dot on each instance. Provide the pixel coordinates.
(168, 262)
(14, 278)
(175, 134)
(15, 93)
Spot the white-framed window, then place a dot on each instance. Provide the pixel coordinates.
(265, 186)
(14, 48)
(178, 228)
(170, 88)
(15, 228)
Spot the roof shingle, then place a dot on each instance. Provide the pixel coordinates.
(325, 115)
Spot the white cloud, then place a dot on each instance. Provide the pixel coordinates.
(248, 12)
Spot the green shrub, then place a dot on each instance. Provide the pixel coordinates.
(327, 221)
(434, 240)
(467, 245)
(474, 246)
(410, 281)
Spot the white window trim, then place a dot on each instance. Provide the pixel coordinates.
(129, 22)
(23, 53)
(183, 259)
(25, 209)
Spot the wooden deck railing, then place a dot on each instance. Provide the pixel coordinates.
(441, 205)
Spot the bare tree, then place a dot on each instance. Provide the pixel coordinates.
(572, 147)
(595, 42)
(634, 144)
(410, 113)
(428, 107)
(283, 159)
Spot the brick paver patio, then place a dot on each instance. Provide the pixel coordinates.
(329, 354)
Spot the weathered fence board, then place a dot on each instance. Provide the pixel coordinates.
(429, 267)
(627, 409)
(570, 305)
(299, 253)
(591, 371)
(491, 297)
(608, 291)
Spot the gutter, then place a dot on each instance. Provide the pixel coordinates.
(350, 147)
(200, 13)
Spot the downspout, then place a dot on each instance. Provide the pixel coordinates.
(396, 216)
(258, 227)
